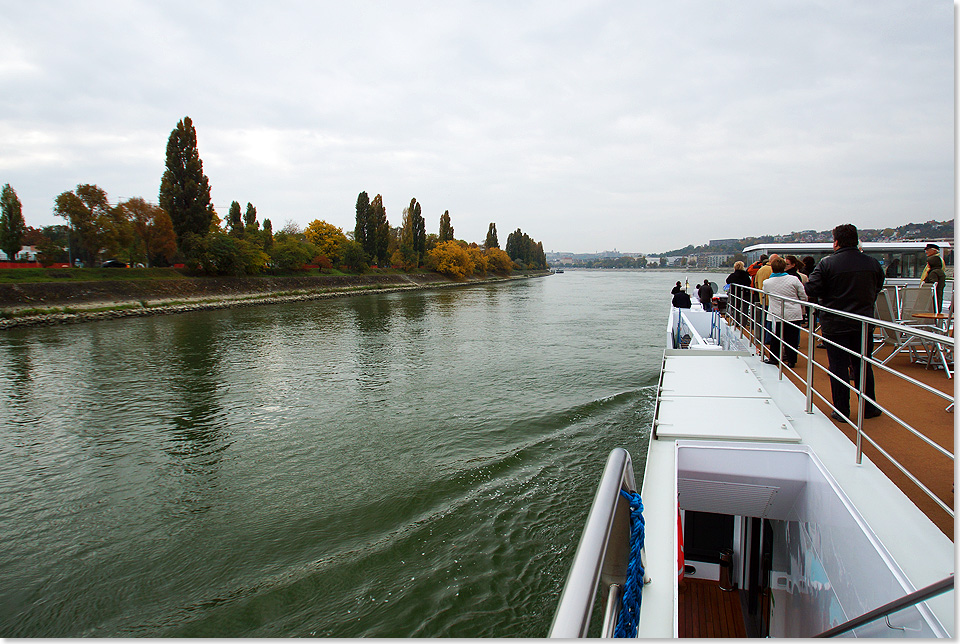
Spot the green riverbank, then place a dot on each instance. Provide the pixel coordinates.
(41, 303)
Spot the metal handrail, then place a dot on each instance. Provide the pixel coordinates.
(601, 557)
(754, 328)
(906, 601)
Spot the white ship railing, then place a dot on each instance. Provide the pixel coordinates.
(746, 313)
(601, 557)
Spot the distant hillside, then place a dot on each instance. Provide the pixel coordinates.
(928, 230)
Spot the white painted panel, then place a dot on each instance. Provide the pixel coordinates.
(755, 419)
(711, 376)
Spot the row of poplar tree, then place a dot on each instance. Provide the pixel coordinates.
(185, 228)
(410, 246)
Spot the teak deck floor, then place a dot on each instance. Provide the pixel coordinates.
(920, 409)
(707, 611)
(924, 411)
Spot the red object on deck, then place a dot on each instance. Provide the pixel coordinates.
(679, 547)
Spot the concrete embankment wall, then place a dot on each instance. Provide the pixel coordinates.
(70, 302)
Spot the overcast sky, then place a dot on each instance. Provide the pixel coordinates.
(636, 125)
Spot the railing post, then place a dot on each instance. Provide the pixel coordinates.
(911, 599)
(611, 613)
(811, 345)
(860, 385)
(598, 547)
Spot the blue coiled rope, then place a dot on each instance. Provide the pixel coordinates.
(633, 588)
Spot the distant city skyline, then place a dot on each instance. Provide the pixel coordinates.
(908, 230)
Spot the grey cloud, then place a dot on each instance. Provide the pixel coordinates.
(588, 125)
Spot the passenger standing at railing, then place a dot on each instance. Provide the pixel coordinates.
(793, 268)
(849, 281)
(786, 315)
(705, 294)
(765, 271)
(809, 263)
(739, 296)
(933, 273)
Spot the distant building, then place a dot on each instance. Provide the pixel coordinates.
(717, 259)
(26, 254)
(723, 242)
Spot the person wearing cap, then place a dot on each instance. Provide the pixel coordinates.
(933, 272)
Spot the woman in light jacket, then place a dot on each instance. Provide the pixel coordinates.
(787, 315)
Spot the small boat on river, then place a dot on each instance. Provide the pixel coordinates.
(761, 516)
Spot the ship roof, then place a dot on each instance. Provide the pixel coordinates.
(875, 247)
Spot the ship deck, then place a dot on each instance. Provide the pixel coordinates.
(922, 410)
(924, 556)
(707, 611)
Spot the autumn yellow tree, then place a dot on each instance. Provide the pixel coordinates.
(479, 260)
(329, 239)
(498, 261)
(452, 259)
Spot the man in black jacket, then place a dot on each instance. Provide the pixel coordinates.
(705, 294)
(681, 300)
(850, 281)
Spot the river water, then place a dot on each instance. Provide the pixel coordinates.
(393, 465)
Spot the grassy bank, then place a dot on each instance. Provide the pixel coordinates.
(42, 275)
(59, 300)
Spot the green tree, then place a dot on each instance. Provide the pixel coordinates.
(525, 251)
(513, 245)
(87, 210)
(413, 240)
(491, 241)
(52, 245)
(363, 218)
(184, 189)
(267, 235)
(353, 258)
(220, 254)
(118, 234)
(250, 224)
(155, 243)
(235, 220)
(291, 253)
(50, 252)
(377, 232)
(432, 240)
(446, 230)
(12, 226)
(420, 233)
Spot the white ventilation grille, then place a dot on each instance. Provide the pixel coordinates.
(726, 497)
